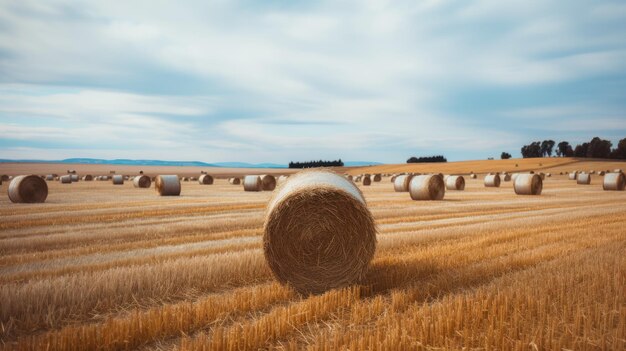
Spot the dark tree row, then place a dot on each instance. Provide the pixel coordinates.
(313, 164)
(596, 148)
(426, 159)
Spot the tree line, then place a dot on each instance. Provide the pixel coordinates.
(414, 159)
(313, 164)
(596, 148)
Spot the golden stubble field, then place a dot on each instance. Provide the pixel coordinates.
(110, 267)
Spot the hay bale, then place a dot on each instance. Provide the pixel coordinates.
(473, 176)
(4, 178)
(583, 179)
(140, 172)
(268, 182)
(492, 181)
(528, 184)
(367, 180)
(66, 179)
(205, 179)
(601, 173)
(542, 175)
(28, 189)
(393, 178)
(234, 181)
(427, 187)
(318, 233)
(401, 183)
(548, 175)
(74, 177)
(167, 185)
(377, 177)
(185, 179)
(49, 177)
(347, 176)
(118, 179)
(506, 177)
(573, 175)
(592, 172)
(252, 183)
(455, 182)
(142, 181)
(87, 177)
(614, 181)
(618, 170)
(357, 179)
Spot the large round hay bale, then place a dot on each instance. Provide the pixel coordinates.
(455, 182)
(252, 183)
(205, 179)
(528, 184)
(87, 177)
(427, 187)
(118, 179)
(234, 181)
(377, 177)
(614, 181)
(367, 180)
(167, 185)
(142, 181)
(28, 189)
(393, 178)
(66, 179)
(492, 181)
(573, 175)
(583, 179)
(318, 233)
(74, 177)
(401, 183)
(268, 182)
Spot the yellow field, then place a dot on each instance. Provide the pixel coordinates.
(110, 267)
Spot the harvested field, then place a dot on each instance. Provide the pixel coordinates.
(109, 267)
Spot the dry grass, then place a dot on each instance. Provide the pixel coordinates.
(115, 267)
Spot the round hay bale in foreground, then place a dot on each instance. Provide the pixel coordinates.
(142, 181)
(118, 179)
(234, 181)
(401, 183)
(252, 183)
(268, 182)
(492, 181)
(427, 187)
(614, 181)
(573, 175)
(205, 179)
(528, 184)
(66, 179)
(318, 233)
(28, 189)
(455, 183)
(88, 177)
(377, 177)
(583, 179)
(167, 185)
(367, 180)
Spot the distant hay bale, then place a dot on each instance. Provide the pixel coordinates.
(28, 189)
(66, 179)
(252, 183)
(318, 234)
(573, 175)
(49, 177)
(492, 181)
(427, 187)
(377, 177)
(367, 180)
(401, 183)
(583, 179)
(618, 170)
(205, 179)
(234, 181)
(473, 176)
(87, 177)
(5, 177)
(74, 177)
(348, 177)
(542, 175)
(528, 184)
(601, 173)
(548, 175)
(193, 179)
(142, 181)
(126, 177)
(167, 185)
(592, 172)
(614, 181)
(506, 177)
(118, 179)
(140, 172)
(268, 182)
(455, 182)
(357, 179)
(185, 179)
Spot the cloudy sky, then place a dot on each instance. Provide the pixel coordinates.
(273, 81)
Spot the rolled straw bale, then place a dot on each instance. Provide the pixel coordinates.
(234, 181)
(205, 179)
(118, 179)
(573, 175)
(601, 173)
(401, 183)
(357, 179)
(105, 177)
(4, 178)
(473, 176)
(492, 181)
(66, 179)
(455, 182)
(618, 170)
(367, 180)
(347, 176)
(532, 172)
(142, 181)
(74, 177)
(167, 185)
(252, 183)
(126, 177)
(87, 177)
(548, 175)
(28, 189)
(583, 179)
(49, 177)
(427, 187)
(268, 182)
(140, 172)
(542, 175)
(192, 179)
(592, 172)
(393, 178)
(318, 233)
(506, 177)
(528, 184)
(377, 177)
(614, 181)
(185, 179)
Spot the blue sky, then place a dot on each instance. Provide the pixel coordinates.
(262, 81)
